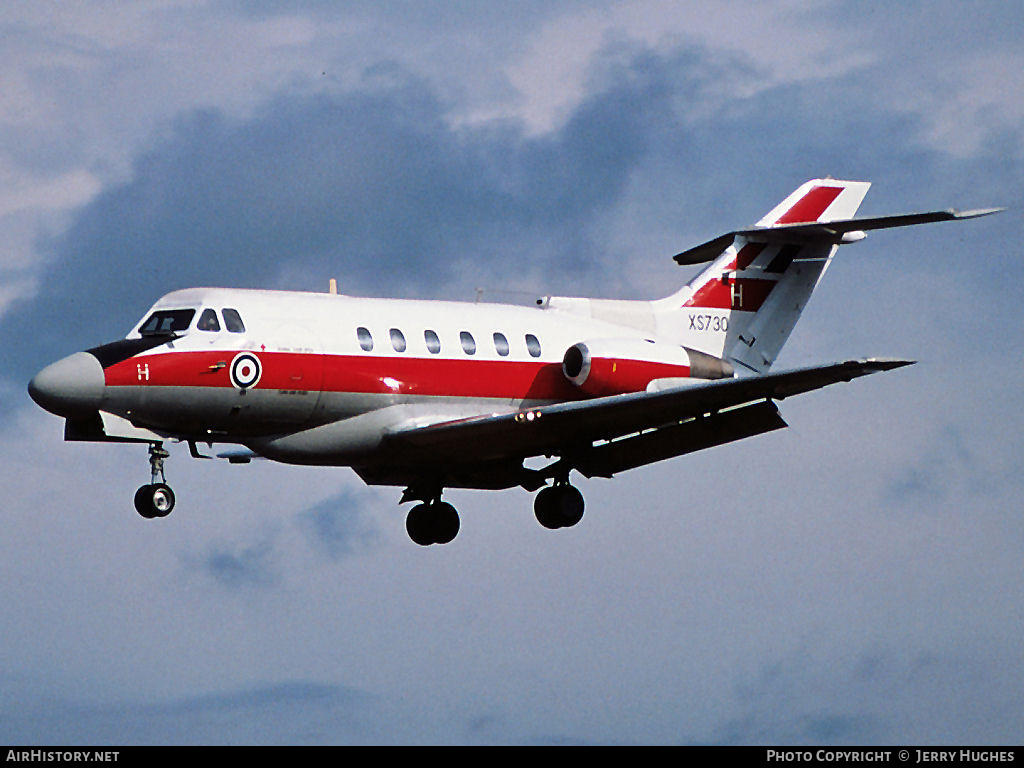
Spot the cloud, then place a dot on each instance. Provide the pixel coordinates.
(236, 565)
(340, 526)
(943, 467)
(372, 187)
(664, 616)
(290, 712)
(375, 187)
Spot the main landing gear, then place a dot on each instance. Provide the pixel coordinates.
(433, 521)
(559, 505)
(157, 498)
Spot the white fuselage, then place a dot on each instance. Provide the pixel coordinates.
(324, 358)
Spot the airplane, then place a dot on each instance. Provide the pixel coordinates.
(430, 395)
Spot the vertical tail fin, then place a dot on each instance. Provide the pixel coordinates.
(744, 305)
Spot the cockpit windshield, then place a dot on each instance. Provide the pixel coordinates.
(167, 321)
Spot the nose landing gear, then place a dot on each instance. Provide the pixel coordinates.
(157, 498)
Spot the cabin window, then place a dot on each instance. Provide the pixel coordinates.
(433, 342)
(532, 345)
(468, 344)
(167, 321)
(208, 321)
(233, 321)
(365, 338)
(397, 340)
(501, 344)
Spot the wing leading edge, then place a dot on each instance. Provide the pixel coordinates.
(605, 435)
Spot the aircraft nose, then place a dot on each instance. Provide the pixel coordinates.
(71, 386)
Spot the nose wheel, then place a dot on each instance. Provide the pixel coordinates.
(155, 499)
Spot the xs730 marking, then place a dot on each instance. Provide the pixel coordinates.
(716, 323)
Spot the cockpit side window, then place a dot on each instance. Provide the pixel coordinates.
(167, 321)
(233, 321)
(208, 321)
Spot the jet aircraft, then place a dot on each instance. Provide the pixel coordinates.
(429, 395)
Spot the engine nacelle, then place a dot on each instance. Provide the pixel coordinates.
(614, 366)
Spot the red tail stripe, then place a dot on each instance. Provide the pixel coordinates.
(745, 294)
(810, 206)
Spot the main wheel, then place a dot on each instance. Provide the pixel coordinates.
(446, 522)
(418, 525)
(436, 523)
(559, 506)
(545, 507)
(155, 500)
(570, 505)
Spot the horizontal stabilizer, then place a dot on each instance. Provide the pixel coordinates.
(827, 232)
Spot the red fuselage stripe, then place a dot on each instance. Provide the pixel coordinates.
(369, 374)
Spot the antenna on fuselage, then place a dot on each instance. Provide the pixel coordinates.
(333, 287)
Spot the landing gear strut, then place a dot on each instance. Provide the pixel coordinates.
(157, 498)
(559, 505)
(433, 521)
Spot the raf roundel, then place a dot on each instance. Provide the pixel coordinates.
(245, 370)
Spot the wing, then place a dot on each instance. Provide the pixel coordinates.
(610, 434)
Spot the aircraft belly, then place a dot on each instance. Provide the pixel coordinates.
(492, 476)
(334, 406)
(212, 410)
(359, 436)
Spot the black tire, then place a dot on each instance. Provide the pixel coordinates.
(559, 506)
(446, 522)
(143, 502)
(545, 507)
(154, 500)
(570, 507)
(418, 525)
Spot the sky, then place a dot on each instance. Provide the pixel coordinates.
(855, 579)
